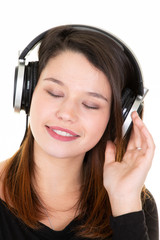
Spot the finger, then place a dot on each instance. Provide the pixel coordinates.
(150, 149)
(136, 135)
(110, 153)
(135, 139)
(141, 129)
(147, 142)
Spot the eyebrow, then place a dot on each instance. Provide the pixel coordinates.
(97, 95)
(55, 81)
(93, 94)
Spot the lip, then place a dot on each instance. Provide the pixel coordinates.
(50, 130)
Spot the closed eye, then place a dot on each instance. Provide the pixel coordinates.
(90, 107)
(55, 94)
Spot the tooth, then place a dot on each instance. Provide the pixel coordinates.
(62, 133)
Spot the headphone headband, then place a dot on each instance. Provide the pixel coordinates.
(124, 48)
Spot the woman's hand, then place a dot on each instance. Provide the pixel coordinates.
(124, 181)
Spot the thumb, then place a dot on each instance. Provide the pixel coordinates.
(110, 153)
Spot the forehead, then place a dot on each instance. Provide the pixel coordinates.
(74, 70)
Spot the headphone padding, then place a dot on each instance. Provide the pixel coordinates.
(30, 81)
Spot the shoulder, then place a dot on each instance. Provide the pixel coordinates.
(2, 173)
(151, 215)
(149, 206)
(2, 169)
(142, 223)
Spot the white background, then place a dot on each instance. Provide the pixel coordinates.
(136, 22)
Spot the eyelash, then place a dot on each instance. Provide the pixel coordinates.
(90, 107)
(54, 95)
(85, 105)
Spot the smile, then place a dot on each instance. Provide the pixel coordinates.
(61, 134)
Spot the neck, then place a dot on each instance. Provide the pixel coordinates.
(56, 176)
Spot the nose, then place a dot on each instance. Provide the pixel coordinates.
(67, 112)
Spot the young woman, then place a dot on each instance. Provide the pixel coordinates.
(75, 176)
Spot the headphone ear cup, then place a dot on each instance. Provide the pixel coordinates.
(128, 98)
(15, 86)
(29, 84)
(130, 103)
(18, 85)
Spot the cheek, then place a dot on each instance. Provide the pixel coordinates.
(97, 126)
(38, 109)
(39, 103)
(101, 125)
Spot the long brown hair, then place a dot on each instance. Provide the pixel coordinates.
(94, 205)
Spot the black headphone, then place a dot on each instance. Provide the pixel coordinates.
(26, 77)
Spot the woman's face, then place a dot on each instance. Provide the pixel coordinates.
(70, 107)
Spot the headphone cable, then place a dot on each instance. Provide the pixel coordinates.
(25, 134)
